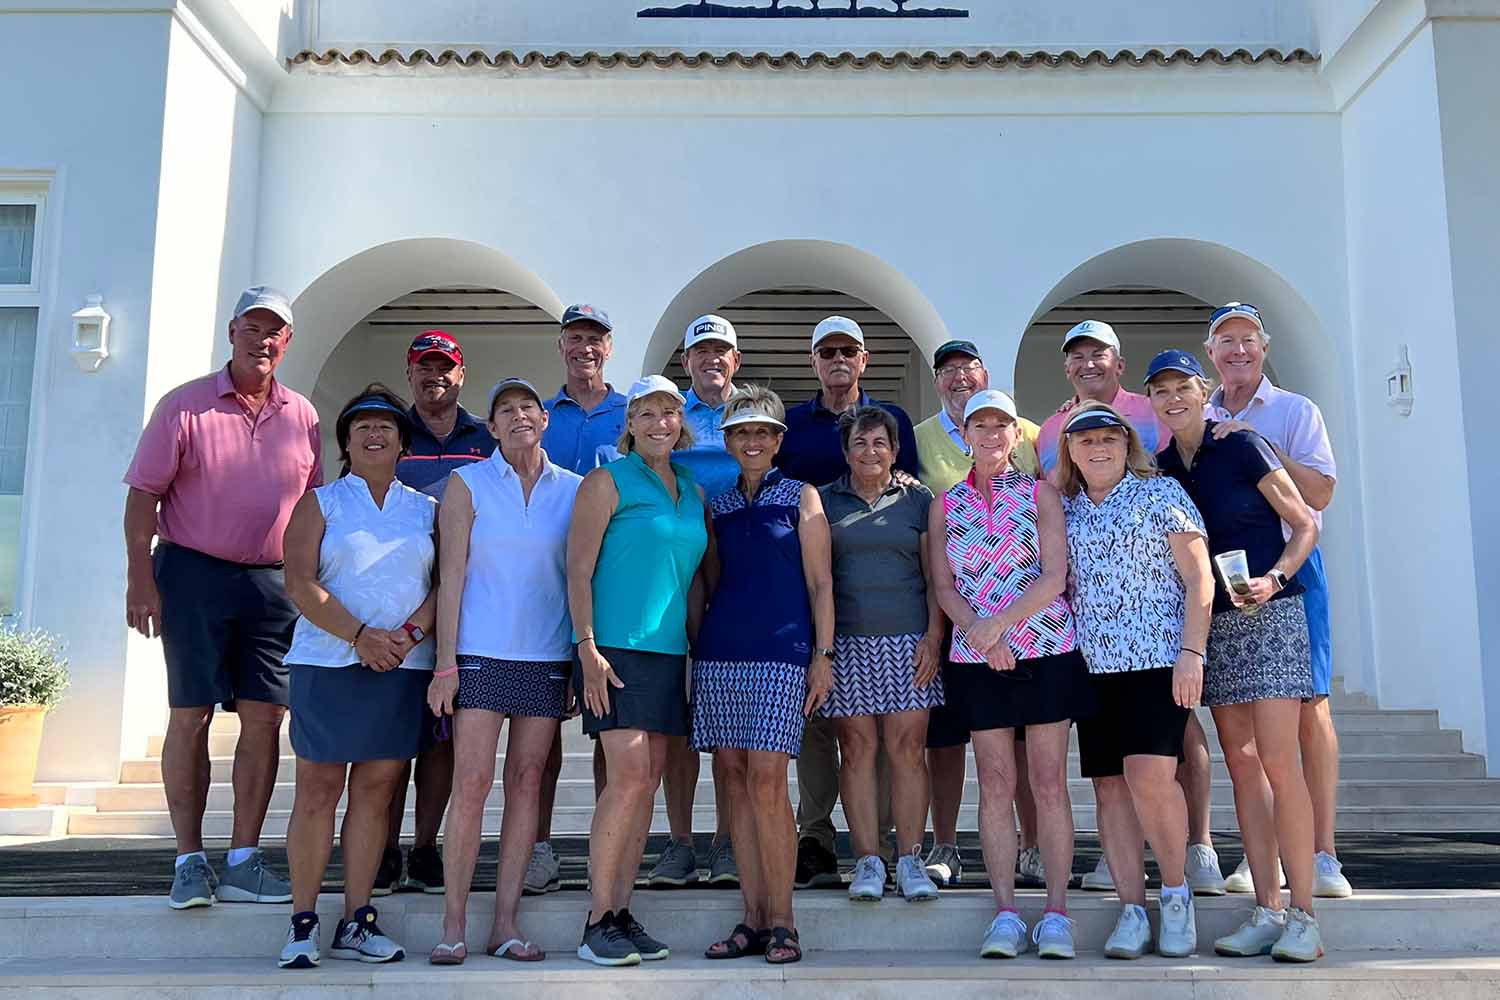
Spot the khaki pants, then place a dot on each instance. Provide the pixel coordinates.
(818, 785)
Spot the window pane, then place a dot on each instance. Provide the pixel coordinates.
(17, 354)
(17, 235)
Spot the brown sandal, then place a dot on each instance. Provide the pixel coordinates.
(784, 939)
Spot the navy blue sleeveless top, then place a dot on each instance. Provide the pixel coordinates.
(760, 611)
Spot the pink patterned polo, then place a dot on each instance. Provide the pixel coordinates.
(995, 554)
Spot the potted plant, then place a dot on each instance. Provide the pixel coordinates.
(33, 677)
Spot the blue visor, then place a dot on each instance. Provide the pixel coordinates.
(1090, 420)
(367, 404)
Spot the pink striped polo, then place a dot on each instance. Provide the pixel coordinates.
(995, 553)
(227, 480)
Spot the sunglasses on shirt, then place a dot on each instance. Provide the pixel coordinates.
(848, 351)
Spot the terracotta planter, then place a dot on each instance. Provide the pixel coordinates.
(20, 743)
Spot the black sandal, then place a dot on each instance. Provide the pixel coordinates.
(732, 948)
(784, 939)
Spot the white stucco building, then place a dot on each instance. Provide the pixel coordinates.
(478, 165)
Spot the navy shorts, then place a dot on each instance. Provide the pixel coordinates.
(225, 629)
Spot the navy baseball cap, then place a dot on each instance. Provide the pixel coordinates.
(1092, 419)
(1173, 361)
(953, 347)
(582, 312)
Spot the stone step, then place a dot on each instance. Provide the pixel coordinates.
(1425, 975)
(689, 920)
(580, 792)
(575, 820)
(1360, 732)
(581, 765)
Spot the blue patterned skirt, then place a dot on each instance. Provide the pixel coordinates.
(512, 687)
(873, 675)
(748, 705)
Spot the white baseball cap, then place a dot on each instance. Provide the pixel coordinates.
(990, 399)
(648, 384)
(709, 327)
(1093, 329)
(834, 325)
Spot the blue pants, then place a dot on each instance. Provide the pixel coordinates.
(1319, 631)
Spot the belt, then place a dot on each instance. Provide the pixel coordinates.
(162, 543)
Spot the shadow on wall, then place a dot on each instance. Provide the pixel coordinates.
(814, 8)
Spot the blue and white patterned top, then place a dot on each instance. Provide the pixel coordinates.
(760, 611)
(1129, 603)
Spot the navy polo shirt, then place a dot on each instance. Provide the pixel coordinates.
(1224, 483)
(812, 451)
(428, 461)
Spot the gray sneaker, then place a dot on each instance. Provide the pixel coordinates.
(607, 943)
(360, 939)
(251, 881)
(193, 885)
(543, 872)
(722, 869)
(677, 866)
(301, 949)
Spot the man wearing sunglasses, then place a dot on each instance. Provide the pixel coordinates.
(813, 452)
(1237, 344)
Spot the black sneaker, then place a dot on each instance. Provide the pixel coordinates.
(606, 943)
(816, 865)
(388, 876)
(651, 949)
(424, 870)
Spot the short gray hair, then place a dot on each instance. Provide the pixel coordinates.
(756, 399)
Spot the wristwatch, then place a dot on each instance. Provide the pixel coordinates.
(1277, 577)
(825, 652)
(415, 631)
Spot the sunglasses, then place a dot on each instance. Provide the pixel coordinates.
(1236, 309)
(848, 351)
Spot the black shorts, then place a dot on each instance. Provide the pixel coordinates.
(1136, 716)
(1037, 692)
(653, 700)
(225, 628)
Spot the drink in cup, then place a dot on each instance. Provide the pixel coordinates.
(1234, 569)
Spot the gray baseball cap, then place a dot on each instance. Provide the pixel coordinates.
(264, 297)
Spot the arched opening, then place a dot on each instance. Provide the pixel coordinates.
(355, 321)
(775, 293)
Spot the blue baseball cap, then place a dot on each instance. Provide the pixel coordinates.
(1173, 361)
(952, 347)
(581, 312)
(1092, 419)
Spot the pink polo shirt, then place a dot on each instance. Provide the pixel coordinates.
(227, 480)
(1133, 406)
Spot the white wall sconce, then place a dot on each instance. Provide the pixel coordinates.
(91, 334)
(1398, 394)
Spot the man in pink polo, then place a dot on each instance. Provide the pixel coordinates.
(217, 471)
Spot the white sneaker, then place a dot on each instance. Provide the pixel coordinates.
(912, 881)
(869, 880)
(1256, 936)
(1029, 868)
(1204, 876)
(1132, 934)
(1328, 877)
(1053, 936)
(1177, 936)
(1240, 880)
(543, 871)
(301, 949)
(945, 866)
(1099, 880)
(1005, 938)
(1301, 941)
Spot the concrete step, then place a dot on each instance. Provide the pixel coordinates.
(825, 976)
(1363, 732)
(575, 820)
(689, 920)
(580, 792)
(580, 765)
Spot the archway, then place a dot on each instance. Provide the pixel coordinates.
(776, 292)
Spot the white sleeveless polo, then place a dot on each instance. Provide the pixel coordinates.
(377, 561)
(515, 602)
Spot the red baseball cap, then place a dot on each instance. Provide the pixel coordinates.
(434, 342)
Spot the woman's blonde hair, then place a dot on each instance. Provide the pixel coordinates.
(756, 399)
(626, 444)
(1138, 462)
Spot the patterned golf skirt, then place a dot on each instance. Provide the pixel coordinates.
(1259, 657)
(873, 675)
(512, 687)
(748, 705)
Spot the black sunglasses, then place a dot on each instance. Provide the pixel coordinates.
(848, 351)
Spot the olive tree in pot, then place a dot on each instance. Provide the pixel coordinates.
(33, 677)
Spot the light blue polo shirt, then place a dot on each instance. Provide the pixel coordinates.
(707, 460)
(573, 437)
